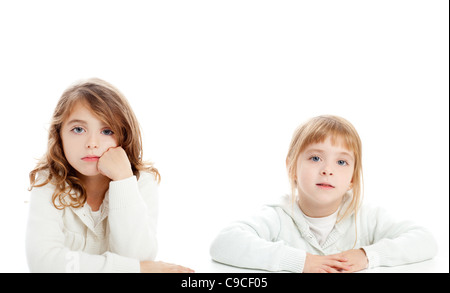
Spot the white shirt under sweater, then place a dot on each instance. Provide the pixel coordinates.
(74, 240)
(96, 216)
(279, 236)
(322, 226)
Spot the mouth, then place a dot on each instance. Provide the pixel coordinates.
(90, 158)
(325, 186)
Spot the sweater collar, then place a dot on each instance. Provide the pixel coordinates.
(84, 213)
(291, 208)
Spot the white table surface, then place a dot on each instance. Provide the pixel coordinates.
(435, 265)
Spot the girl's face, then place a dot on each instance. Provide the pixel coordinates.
(85, 138)
(324, 175)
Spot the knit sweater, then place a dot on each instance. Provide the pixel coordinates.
(67, 240)
(278, 238)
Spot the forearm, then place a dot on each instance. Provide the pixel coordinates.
(399, 243)
(132, 223)
(413, 246)
(59, 259)
(241, 247)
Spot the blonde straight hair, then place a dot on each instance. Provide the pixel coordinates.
(316, 130)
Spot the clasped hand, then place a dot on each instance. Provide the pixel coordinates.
(349, 261)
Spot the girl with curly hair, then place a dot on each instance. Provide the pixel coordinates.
(94, 201)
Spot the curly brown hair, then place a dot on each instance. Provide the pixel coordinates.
(110, 106)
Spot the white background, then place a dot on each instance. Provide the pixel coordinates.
(220, 86)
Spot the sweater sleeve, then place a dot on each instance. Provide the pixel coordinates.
(393, 243)
(254, 244)
(45, 243)
(133, 208)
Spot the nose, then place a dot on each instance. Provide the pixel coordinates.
(92, 142)
(325, 172)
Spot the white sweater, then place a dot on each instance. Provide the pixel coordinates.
(278, 238)
(68, 241)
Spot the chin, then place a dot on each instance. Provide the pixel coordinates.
(88, 173)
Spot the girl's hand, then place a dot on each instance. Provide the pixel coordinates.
(114, 164)
(325, 263)
(162, 267)
(356, 259)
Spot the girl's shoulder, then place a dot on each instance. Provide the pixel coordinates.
(285, 210)
(41, 200)
(42, 188)
(148, 185)
(371, 210)
(375, 215)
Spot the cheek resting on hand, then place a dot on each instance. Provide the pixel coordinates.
(114, 164)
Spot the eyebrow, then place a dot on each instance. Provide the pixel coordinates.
(322, 151)
(84, 123)
(314, 151)
(346, 154)
(76, 121)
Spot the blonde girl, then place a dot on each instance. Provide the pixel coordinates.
(322, 226)
(93, 203)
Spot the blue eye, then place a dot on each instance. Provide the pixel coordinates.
(342, 163)
(107, 132)
(77, 130)
(315, 159)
